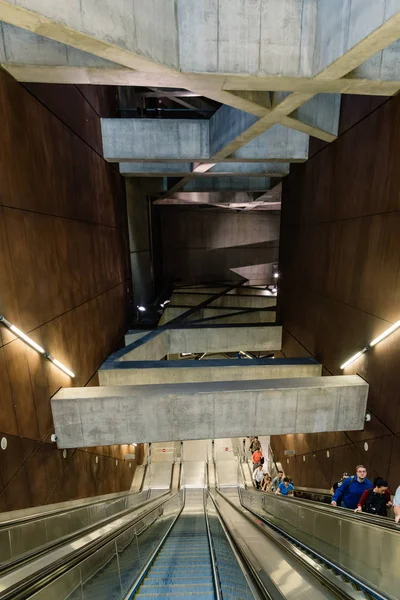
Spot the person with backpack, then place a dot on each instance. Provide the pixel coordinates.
(338, 483)
(352, 488)
(396, 506)
(255, 444)
(374, 501)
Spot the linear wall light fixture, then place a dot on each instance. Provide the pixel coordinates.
(385, 334)
(353, 358)
(22, 335)
(35, 346)
(374, 342)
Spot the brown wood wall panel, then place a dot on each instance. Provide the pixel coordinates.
(340, 265)
(64, 277)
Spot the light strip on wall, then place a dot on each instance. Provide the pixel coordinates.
(353, 358)
(59, 365)
(25, 338)
(385, 334)
(374, 342)
(22, 335)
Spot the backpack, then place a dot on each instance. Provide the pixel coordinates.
(375, 504)
(349, 481)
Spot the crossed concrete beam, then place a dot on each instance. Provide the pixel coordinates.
(305, 47)
(285, 45)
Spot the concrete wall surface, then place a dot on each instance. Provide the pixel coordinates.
(186, 371)
(117, 414)
(293, 38)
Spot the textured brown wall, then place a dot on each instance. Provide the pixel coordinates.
(204, 245)
(63, 278)
(340, 259)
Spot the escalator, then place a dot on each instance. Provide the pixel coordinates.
(204, 541)
(184, 562)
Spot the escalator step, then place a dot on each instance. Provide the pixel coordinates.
(206, 568)
(170, 588)
(167, 596)
(166, 580)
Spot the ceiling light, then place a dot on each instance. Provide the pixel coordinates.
(276, 275)
(385, 334)
(141, 308)
(353, 358)
(133, 444)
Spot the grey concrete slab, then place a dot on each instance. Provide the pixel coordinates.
(239, 300)
(341, 25)
(322, 111)
(192, 140)
(157, 169)
(225, 339)
(227, 124)
(285, 38)
(190, 411)
(125, 139)
(250, 169)
(277, 143)
(227, 315)
(216, 184)
(19, 46)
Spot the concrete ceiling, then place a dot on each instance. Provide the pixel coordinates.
(262, 75)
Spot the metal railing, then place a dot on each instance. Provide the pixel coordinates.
(363, 547)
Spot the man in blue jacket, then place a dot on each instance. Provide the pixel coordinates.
(352, 488)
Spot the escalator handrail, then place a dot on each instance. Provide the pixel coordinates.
(332, 565)
(134, 587)
(345, 513)
(38, 579)
(248, 573)
(217, 583)
(59, 511)
(21, 559)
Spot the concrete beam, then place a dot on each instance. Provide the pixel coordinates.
(195, 140)
(350, 33)
(321, 113)
(101, 416)
(249, 169)
(228, 315)
(191, 371)
(155, 169)
(216, 198)
(213, 87)
(181, 169)
(289, 38)
(229, 300)
(201, 338)
(127, 139)
(278, 143)
(225, 338)
(237, 183)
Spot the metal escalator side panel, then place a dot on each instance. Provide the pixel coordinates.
(44, 570)
(337, 535)
(279, 573)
